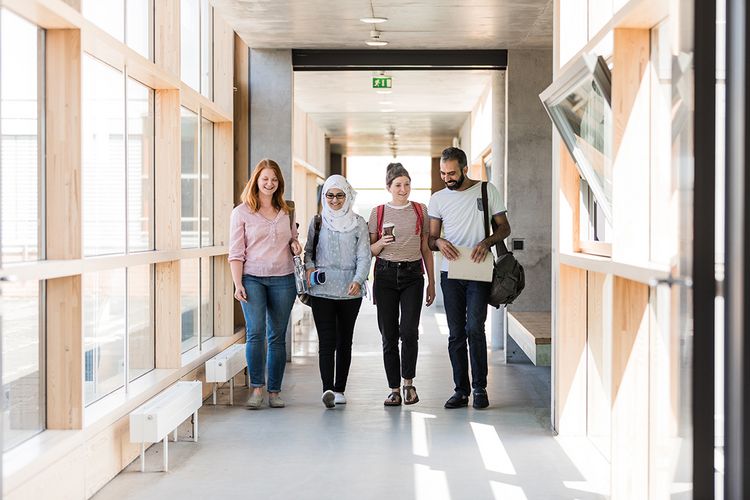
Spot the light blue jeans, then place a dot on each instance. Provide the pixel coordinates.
(269, 304)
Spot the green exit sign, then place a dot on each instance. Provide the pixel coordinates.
(382, 82)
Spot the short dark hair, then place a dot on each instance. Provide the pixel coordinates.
(394, 170)
(454, 154)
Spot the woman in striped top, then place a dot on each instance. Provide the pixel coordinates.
(398, 238)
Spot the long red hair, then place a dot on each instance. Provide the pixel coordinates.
(250, 194)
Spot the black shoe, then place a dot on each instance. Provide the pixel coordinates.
(480, 399)
(458, 400)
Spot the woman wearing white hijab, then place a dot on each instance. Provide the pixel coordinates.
(343, 254)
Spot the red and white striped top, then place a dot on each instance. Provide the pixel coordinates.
(407, 247)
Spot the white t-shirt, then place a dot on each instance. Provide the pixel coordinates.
(462, 216)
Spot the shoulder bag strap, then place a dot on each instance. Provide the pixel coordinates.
(500, 246)
(316, 238)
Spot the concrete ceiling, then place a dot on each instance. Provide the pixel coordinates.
(425, 109)
(413, 24)
(428, 107)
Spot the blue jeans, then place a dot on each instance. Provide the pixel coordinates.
(466, 310)
(269, 304)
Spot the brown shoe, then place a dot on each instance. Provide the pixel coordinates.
(393, 399)
(410, 395)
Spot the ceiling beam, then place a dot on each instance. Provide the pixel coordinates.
(376, 60)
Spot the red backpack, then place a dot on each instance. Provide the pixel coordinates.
(417, 210)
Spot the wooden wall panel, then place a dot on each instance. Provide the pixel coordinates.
(569, 213)
(599, 361)
(63, 480)
(168, 321)
(223, 63)
(167, 35)
(223, 204)
(167, 175)
(631, 139)
(630, 396)
(570, 353)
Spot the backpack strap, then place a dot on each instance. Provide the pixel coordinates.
(418, 212)
(316, 225)
(380, 212)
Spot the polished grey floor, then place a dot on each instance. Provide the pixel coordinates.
(365, 451)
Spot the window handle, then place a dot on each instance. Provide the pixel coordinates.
(672, 280)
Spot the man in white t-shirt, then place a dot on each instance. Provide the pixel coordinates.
(457, 211)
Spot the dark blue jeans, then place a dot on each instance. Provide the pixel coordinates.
(398, 289)
(269, 304)
(466, 310)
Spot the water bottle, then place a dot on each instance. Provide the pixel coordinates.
(299, 275)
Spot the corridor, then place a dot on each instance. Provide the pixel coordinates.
(365, 451)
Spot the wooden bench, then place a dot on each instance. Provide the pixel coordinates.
(154, 420)
(224, 366)
(532, 333)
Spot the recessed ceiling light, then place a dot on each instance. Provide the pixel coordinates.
(382, 91)
(376, 43)
(385, 103)
(373, 20)
(387, 110)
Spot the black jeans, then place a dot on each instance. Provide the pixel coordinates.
(334, 320)
(466, 311)
(399, 287)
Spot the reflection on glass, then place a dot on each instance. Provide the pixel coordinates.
(103, 176)
(140, 166)
(207, 41)
(207, 182)
(20, 139)
(190, 46)
(139, 25)
(189, 302)
(140, 321)
(109, 15)
(190, 173)
(103, 333)
(207, 301)
(23, 394)
(579, 105)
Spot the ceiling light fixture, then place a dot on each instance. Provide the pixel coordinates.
(382, 91)
(375, 40)
(373, 20)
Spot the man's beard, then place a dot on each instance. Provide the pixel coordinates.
(457, 183)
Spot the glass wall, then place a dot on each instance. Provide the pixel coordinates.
(21, 226)
(129, 21)
(190, 173)
(21, 105)
(104, 326)
(103, 150)
(190, 284)
(196, 40)
(207, 183)
(141, 350)
(140, 162)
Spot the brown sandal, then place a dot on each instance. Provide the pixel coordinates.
(410, 395)
(393, 399)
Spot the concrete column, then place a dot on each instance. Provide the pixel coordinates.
(528, 180)
(271, 111)
(498, 178)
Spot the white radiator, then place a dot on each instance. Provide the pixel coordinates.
(154, 420)
(224, 366)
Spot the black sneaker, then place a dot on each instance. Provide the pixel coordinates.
(458, 400)
(480, 399)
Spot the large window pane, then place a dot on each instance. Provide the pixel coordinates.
(103, 176)
(207, 299)
(103, 333)
(189, 302)
(109, 15)
(190, 174)
(19, 138)
(207, 43)
(23, 394)
(140, 167)
(190, 46)
(207, 182)
(139, 26)
(140, 321)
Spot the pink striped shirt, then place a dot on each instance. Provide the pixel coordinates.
(262, 244)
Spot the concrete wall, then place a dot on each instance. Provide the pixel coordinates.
(529, 173)
(271, 108)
